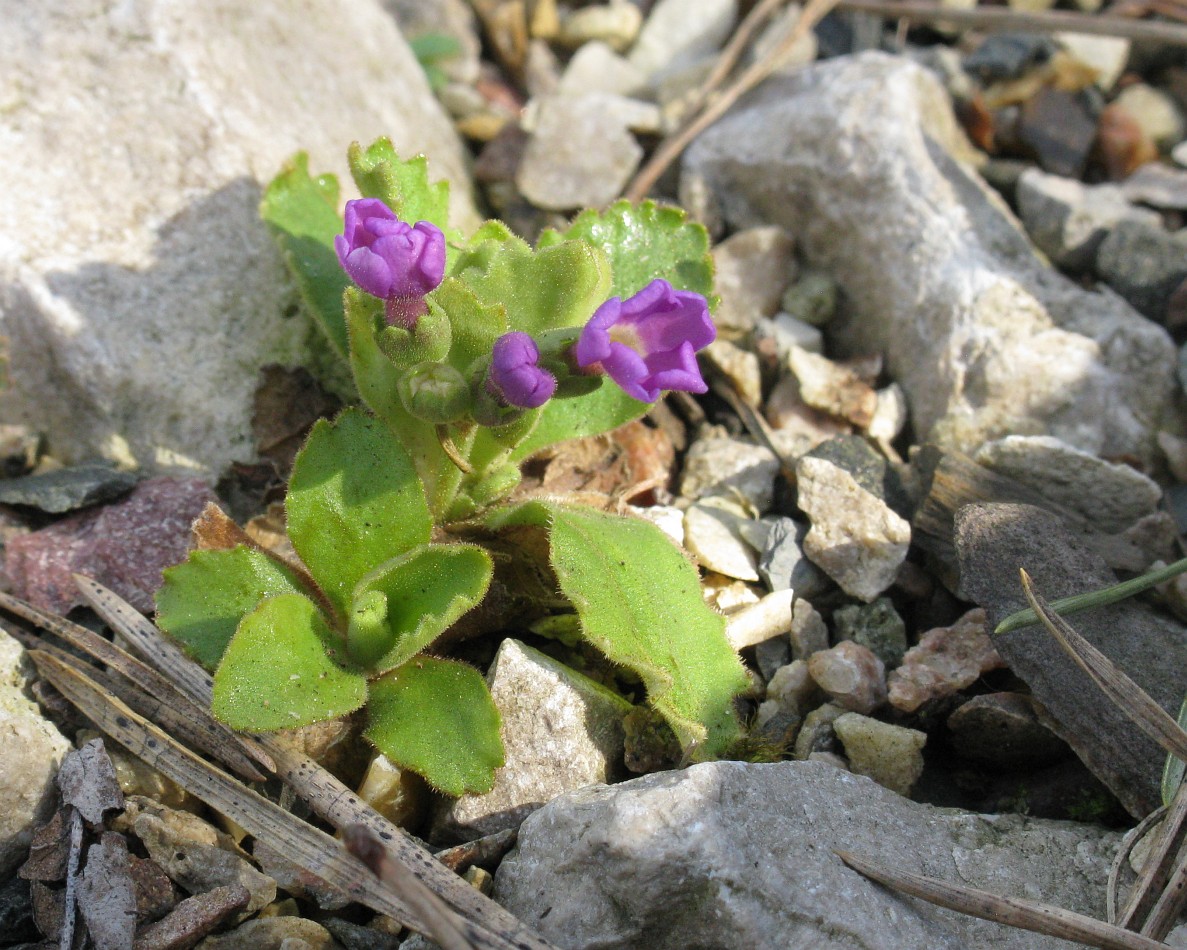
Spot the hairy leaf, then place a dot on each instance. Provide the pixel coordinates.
(277, 673)
(203, 598)
(437, 718)
(639, 601)
(354, 501)
(402, 185)
(302, 213)
(427, 590)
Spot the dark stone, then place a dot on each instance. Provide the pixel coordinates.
(67, 489)
(1004, 730)
(1144, 264)
(876, 626)
(1007, 55)
(16, 911)
(783, 564)
(358, 937)
(994, 542)
(772, 654)
(868, 467)
(1059, 129)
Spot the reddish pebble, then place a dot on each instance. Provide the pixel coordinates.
(851, 675)
(945, 661)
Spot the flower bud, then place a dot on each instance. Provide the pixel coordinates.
(435, 392)
(516, 377)
(391, 259)
(648, 342)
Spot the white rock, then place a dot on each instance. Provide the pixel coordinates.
(740, 367)
(712, 536)
(678, 32)
(1106, 54)
(1112, 496)
(722, 465)
(1067, 219)
(579, 153)
(855, 537)
(668, 519)
(561, 731)
(890, 414)
(141, 293)
(33, 749)
(1154, 111)
(752, 270)
(595, 67)
(982, 336)
(731, 855)
(769, 618)
(791, 331)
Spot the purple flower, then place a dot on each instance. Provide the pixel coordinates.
(515, 378)
(648, 342)
(386, 257)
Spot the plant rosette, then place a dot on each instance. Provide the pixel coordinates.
(468, 356)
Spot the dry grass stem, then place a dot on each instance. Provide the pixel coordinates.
(1003, 18)
(1011, 911)
(671, 147)
(1123, 692)
(1124, 850)
(1158, 868)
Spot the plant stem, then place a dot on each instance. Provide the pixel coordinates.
(450, 478)
(1097, 598)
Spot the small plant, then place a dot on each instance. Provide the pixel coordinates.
(468, 356)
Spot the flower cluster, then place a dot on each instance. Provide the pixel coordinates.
(646, 344)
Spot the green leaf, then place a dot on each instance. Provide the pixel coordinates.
(203, 599)
(402, 185)
(427, 590)
(643, 242)
(354, 501)
(560, 286)
(603, 410)
(276, 673)
(476, 325)
(302, 213)
(639, 601)
(1174, 768)
(437, 718)
(429, 47)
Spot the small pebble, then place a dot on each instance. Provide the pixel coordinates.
(812, 298)
(832, 388)
(711, 535)
(852, 676)
(945, 661)
(615, 24)
(891, 755)
(1004, 730)
(724, 465)
(877, 626)
(808, 631)
(752, 270)
(816, 733)
(793, 688)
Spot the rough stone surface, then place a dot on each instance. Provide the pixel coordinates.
(67, 488)
(855, 537)
(723, 465)
(832, 388)
(595, 67)
(793, 688)
(274, 933)
(943, 662)
(993, 542)
(853, 156)
(139, 290)
(812, 298)
(580, 154)
(453, 18)
(616, 24)
(1067, 219)
(33, 749)
(808, 630)
(728, 854)
(680, 32)
(752, 270)
(1145, 264)
(125, 546)
(784, 565)
(1110, 495)
(876, 626)
(561, 731)
(851, 674)
(891, 755)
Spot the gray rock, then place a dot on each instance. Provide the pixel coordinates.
(982, 336)
(1004, 730)
(891, 755)
(816, 736)
(579, 154)
(1159, 185)
(855, 537)
(1145, 264)
(851, 674)
(793, 689)
(274, 933)
(1007, 55)
(1068, 220)
(783, 564)
(595, 67)
(680, 32)
(139, 290)
(721, 466)
(788, 331)
(1110, 495)
(735, 855)
(712, 534)
(752, 269)
(771, 655)
(943, 662)
(869, 468)
(561, 731)
(67, 488)
(808, 630)
(33, 750)
(994, 541)
(876, 626)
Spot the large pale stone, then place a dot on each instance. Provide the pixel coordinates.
(732, 855)
(139, 292)
(854, 157)
(33, 749)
